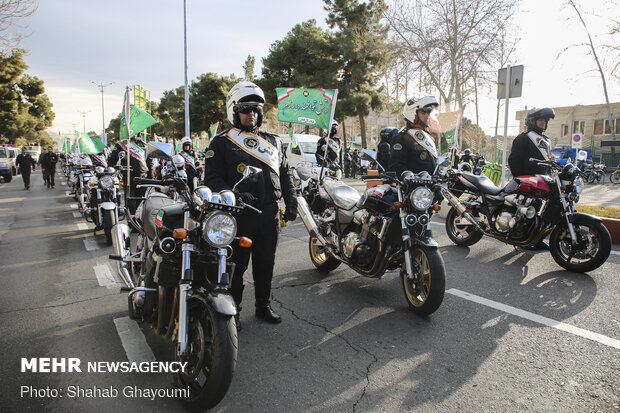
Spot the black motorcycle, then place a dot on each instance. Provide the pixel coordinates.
(103, 200)
(385, 228)
(178, 277)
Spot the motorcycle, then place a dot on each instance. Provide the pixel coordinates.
(79, 176)
(525, 211)
(595, 172)
(103, 201)
(178, 277)
(385, 228)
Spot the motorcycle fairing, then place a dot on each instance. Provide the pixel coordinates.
(149, 212)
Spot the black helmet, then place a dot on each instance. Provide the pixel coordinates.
(534, 114)
(387, 133)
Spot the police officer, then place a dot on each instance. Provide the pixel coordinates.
(25, 164)
(383, 149)
(190, 161)
(333, 147)
(229, 154)
(48, 163)
(137, 163)
(413, 149)
(467, 158)
(347, 162)
(531, 144)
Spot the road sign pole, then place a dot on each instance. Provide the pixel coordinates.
(504, 150)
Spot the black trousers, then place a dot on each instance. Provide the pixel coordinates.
(263, 229)
(50, 174)
(26, 178)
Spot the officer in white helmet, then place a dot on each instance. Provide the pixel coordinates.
(331, 146)
(229, 154)
(413, 148)
(190, 161)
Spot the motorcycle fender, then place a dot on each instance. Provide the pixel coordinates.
(427, 242)
(587, 216)
(222, 303)
(108, 206)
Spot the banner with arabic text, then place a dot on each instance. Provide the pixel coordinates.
(313, 107)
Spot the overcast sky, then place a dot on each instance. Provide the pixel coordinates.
(70, 42)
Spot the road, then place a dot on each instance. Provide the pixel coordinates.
(515, 331)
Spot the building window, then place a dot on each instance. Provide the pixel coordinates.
(564, 130)
(598, 127)
(579, 126)
(614, 124)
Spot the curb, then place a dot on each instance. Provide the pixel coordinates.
(613, 226)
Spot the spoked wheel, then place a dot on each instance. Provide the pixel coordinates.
(425, 292)
(460, 230)
(211, 358)
(591, 177)
(320, 257)
(591, 251)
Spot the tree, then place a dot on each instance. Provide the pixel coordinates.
(113, 129)
(10, 12)
(363, 55)
(25, 109)
(248, 68)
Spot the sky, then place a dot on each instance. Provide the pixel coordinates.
(71, 42)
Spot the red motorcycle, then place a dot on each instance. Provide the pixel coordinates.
(525, 211)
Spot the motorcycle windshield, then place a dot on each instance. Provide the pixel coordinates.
(343, 195)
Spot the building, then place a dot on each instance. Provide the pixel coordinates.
(590, 121)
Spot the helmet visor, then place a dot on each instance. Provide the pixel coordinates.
(246, 108)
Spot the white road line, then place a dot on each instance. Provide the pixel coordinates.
(82, 226)
(105, 277)
(616, 252)
(77, 214)
(74, 206)
(134, 343)
(90, 244)
(608, 341)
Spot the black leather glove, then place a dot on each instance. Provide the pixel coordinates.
(247, 198)
(290, 214)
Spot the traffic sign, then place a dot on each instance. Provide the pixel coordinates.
(576, 141)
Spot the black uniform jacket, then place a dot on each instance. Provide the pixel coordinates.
(407, 154)
(225, 163)
(139, 167)
(519, 160)
(25, 163)
(49, 160)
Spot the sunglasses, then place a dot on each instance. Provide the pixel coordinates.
(427, 109)
(246, 108)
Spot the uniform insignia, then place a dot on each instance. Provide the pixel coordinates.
(420, 136)
(250, 142)
(209, 154)
(423, 155)
(241, 167)
(397, 147)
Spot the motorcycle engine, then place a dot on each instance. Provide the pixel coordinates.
(359, 245)
(515, 216)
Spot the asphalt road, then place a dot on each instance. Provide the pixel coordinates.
(515, 331)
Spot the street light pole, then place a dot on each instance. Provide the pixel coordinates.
(84, 119)
(101, 86)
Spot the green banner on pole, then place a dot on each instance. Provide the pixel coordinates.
(138, 121)
(313, 107)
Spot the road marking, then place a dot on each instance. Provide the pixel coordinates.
(134, 343)
(74, 206)
(82, 226)
(77, 214)
(608, 341)
(105, 277)
(90, 244)
(615, 252)
(68, 193)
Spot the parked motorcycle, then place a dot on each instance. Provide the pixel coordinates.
(385, 228)
(79, 176)
(525, 211)
(595, 172)
(178, 277)
(103, 201)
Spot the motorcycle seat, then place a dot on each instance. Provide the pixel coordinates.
(149, 213)
(483, 183)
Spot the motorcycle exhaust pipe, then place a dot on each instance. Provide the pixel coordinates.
(454, 201)
(120, 232)
(306, 216)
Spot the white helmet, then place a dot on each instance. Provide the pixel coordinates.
(413, 105)
(186, 139)
(243, 92)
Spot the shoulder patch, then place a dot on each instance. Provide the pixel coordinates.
(420, 136)
(397, 147)
(209, 154)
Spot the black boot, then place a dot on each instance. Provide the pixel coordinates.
(266, 313)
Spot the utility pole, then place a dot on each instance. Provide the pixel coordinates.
(101, 86)
(84, 119)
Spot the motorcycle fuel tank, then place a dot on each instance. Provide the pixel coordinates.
(379, 199)
(534, 185)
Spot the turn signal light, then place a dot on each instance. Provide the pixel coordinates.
(179, 233)
(398, 205)
(436, 207)
(245, 242)
(121, 184)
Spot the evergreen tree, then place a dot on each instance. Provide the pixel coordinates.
(248, 68)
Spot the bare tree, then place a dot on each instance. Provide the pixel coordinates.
(10, 12)
(453, 41)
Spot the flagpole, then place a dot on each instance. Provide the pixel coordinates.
(185, 53)
(329, 128)
(127, 122)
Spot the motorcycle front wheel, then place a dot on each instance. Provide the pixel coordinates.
(320, 257)
(461, 235)
(425, 292)
(109, 219)
(592, 249)
(212, 358)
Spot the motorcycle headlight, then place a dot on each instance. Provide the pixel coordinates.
(421, 198)
(106, 182)
(219, 229)
(578, 184)
(228, 197)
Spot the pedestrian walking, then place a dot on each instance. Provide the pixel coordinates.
(26, 165)
(48, 162)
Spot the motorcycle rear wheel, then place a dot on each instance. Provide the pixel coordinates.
(593, 250)
(461, 235)
(425, 292)
(212, 345)
(320, 257)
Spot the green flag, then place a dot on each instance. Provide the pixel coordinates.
(293, 138)
(86, 144)
(213, 129)
(449, 135)
(313, 107)
(138, 121)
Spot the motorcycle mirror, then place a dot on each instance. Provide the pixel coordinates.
(178, 161)
(248, 173)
